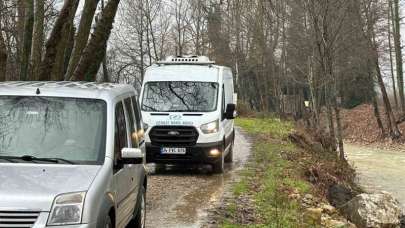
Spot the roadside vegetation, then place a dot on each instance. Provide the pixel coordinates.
(282, 180)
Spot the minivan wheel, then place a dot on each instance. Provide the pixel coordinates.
(108, 222)
(229, 156)
(140, 217)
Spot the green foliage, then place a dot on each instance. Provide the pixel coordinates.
(272, 126)
(275, 176)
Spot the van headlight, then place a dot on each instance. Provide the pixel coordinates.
(210, 128)
(67, 209)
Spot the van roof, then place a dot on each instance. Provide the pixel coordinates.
(203, 73)
(92, 90)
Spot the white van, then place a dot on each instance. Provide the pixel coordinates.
(188, 109)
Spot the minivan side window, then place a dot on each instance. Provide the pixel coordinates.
(120, 137)
(138, 119)
(131, 121)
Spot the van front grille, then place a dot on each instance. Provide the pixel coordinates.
(18, 219)
(173, 136)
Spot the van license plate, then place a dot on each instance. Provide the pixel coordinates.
(173, 150)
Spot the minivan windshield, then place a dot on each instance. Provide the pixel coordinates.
(46, 129)
(175, 96)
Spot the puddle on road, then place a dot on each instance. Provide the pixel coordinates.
(181, 196)
(379, 170)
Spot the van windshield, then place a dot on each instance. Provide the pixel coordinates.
(62, 129)
(180, 97)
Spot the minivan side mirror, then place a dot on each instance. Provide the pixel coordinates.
(132, 156)
(230, 111)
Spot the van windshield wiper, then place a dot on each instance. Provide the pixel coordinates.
(33, 158)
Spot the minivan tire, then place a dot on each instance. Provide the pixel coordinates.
(229, 156)
(140, 216)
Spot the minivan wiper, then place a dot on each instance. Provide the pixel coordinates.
(7, 159)
(33, 158)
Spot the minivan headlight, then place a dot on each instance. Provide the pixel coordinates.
(210, 128)
(67, 209)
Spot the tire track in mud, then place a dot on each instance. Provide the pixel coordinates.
(180, 196)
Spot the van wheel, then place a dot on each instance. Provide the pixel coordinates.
(108, 222)
(139, 219)
(229, 156)
(219, 166)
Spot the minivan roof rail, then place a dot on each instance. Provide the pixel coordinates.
(186, 60)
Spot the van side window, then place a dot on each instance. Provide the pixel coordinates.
(131, 120)
(223, 102)
(120, 138)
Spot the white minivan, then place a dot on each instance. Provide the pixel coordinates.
(188, 109)
(71, 155)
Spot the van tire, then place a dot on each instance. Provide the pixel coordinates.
(229, 156)
(139, 218)
(108, 222)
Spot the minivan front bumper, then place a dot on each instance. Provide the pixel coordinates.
(198, 154)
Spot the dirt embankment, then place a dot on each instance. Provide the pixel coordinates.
(360, 127)
(285, 184)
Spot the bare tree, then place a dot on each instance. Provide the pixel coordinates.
(3, 50)
(27, 39)
(390, 32)
(82, 35)
(369, 21)
(180, 27)
(398, 53)
(38, 37)
(55, 38)
(92, 56)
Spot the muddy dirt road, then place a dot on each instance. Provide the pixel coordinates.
(379, 170)
(180, 196)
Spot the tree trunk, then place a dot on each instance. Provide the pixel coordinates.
(390, 32)
(106, 77)
(20, 33)
(398, 54)
(58, 70)
(339, 131)
(331, 123)
(392, 123)
(141, 40)
(27, 40)
(93, 53)
(82, 35)
(51, 47)
(38, 38)
(378, 116)
(3, 53)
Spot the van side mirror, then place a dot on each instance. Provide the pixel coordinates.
(132, 156)
(230, 111)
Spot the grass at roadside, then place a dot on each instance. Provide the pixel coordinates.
(263, 195)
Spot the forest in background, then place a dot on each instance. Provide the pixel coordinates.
(333, 53)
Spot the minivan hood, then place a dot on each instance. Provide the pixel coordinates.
(35, 186)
